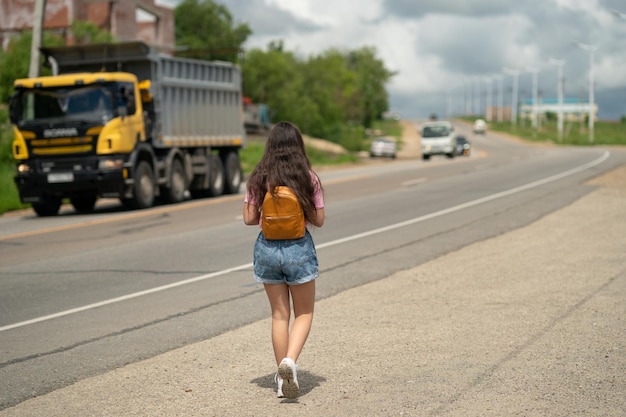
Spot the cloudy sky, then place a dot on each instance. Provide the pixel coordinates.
(451, 48)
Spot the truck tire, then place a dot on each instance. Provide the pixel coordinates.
(232, 172)
(215, 172)
(175, 193)
(48, 206)
(425, 157)
(216, 176)
(84, 202)
(144, 187)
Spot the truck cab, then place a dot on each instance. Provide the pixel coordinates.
(126, 121)
(73, 135)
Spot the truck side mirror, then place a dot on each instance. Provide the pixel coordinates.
(13, 109)
(130, 105)
(126, 102)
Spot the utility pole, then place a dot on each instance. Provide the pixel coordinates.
(35, 55)
(515, 74)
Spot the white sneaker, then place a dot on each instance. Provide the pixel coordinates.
(279, 381)
(288, 372)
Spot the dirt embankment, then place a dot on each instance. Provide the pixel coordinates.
(410, 148)
(409, 145)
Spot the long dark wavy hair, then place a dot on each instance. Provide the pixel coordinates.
(285, 162)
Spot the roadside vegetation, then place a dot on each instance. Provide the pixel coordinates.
(574, 133)
(9, 198)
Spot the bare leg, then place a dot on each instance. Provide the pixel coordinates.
(290, 343)
(303, 296)
(278, 295)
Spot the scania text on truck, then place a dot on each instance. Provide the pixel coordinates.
(125, 121)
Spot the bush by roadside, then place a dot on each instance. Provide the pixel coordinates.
(9, 198)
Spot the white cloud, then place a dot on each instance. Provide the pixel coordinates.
(436, 44)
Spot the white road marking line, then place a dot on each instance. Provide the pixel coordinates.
(414, 182)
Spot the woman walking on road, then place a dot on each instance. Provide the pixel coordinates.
(287, 268)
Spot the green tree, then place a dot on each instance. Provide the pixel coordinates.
(87, 33)
(371, 98)
(328, 83)
(333, 95)
(207, 31)
(275, 77)
(15, 62)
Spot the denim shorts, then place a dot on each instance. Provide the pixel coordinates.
(291, 262)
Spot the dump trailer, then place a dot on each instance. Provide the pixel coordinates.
(126, 121)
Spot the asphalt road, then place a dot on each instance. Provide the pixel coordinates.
(491, 285)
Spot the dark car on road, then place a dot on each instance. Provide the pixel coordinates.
(463, 146)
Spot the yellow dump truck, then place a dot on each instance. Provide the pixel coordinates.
(125, 121)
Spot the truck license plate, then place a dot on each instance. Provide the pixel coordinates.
(61, 177)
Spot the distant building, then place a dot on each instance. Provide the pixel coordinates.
(494, 113)
(125, 19)
(573, 109)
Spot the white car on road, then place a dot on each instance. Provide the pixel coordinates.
(438, 139)
(383, 146)
(480, 126)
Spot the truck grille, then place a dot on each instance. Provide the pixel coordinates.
(56, 146)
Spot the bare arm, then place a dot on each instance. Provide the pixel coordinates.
(319, 217)
(250, 214)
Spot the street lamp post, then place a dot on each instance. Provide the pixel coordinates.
(489, 105)
(592, 50)
(535, 72)
(475, 97)
(559, 63)
(500, 78)
(468, 98)
(515, 74)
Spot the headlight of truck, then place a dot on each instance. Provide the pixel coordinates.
(23, 168)
(110, 164)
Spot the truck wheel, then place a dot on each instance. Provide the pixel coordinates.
(48, 206)
(175, 193)
(451, 155)
(425, 157)
(143, 189)
(216, 176)
(84, 202)
(232, 173)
